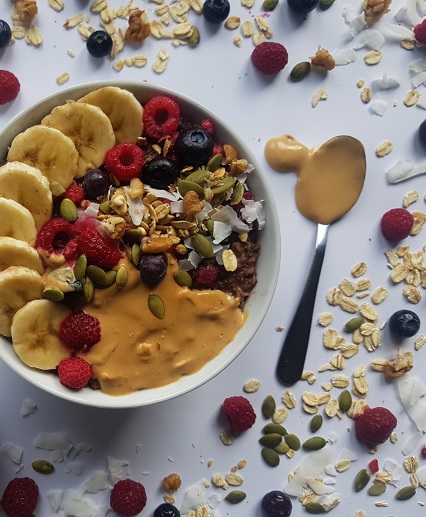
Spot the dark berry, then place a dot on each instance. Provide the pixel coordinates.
(96, 184)
(194, 146)
(159, 173)
(422, 132)
(302, 6)
(99, 44)
(166, 510)
(153, 268)
(124, 161)
(404, 323)
(5, 34)
(276, 504)
(161, 116)
(216, 11)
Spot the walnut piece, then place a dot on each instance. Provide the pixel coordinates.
(324, 59)
(139, 28)
(398, 366)
(375, 9)
(24, 12)
(172, 482)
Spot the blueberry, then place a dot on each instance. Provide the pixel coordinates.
(96, 184)
(276, 504)
(194, 146)
(302, 6)
(99, 44)
(216, 11)
(159, 173)
(404, 323)
(5, 34)
(166, 510)
(422, 132)
(153, 268)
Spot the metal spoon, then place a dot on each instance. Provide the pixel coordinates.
(293, 353)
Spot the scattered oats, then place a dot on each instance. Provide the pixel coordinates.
(280, 415)
(161, 61)
(247, 29)
(63, 78)
(334, 296)
(71, 53)
(411, 464)
(325, 318)
(414, 480)
(196, 5)
(251, 386)
(279, 329)
(247, 3)
(419, 221)
(393, 437)
(360, 83)
(169, 498)
(288, 399)
(310, 398)
(368, 312)
(348, 305)
(408, 44)
(84, 30)
(412, 294)
(357, 337)
(233, 22)
(358, 407)
(343, 465)
(219, 481)
(70, 23)
(399, 273)
(349, 350)
(384, 148)
(139, 61)
(347, 287)
(241, 464)
(264, 26)
(340, 381)
(392, 258)
(56, 5)
(327, 386)
(419, 342)
(209, 462)
(290, 453)
(381, 504)
(258, 38)
(319, 95)
(360, 513)
(363, 284)
(378, 365)
(330, 339)
(410, 198)
(118, 65)
(18, 32)
(332, 408)
(234, 479)
(366, 95)
(379, 295)
(34, 36)
(98, 6)
(238, 41)
(411, 98)
(323, 397)
(229, 259)
(226, 438)
(373, 57)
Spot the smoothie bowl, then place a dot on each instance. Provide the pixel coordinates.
(139, 244)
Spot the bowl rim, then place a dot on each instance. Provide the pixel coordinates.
(96, 398)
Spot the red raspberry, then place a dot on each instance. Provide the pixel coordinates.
(423, 452)
(396, 224)
(57, 237)
(124, 161)
(374, 426)
(374, 466)
(269, 57)
(160, 116)
(420, 32)
(9, 87)
(206, 275)
(76, 193)
(208, 125)
(240, 413)
(79, 331)
(218, 149)
(20, 497)
(128, 497)
(100, 251)
(74, 372)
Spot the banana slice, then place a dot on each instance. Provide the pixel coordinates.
(27, 185)
(35, 334)
(18, 285)
(16, 221)
(88, 127)
(123, 110)
(19, 253)
(47, 149)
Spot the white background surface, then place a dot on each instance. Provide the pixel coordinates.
(182, 435)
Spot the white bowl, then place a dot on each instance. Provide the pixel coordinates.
(267, 267)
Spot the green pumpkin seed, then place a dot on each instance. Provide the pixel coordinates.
(121, 278)
(53, 294)
(210, 226)
(97, 275)
(43, 466)
(300, 71)
(235, 497)
(185, 186)
(183, 278)
(227, 183)
(202, 245)
(325, 4)
(345, 401)
(315, 508)
(268, 406)
(56, 188)
(135, 254)
(88, 289)
(353, 324)
(377, 489)
(132, 236)
(111, 276)
(156, 306)
(315, 443)
(282, 448)
(405, 493)
(215, 162)
(194, 39)
(362, 479)
(274, 428)
(105, 206)
(316, 423)
(270, 440)
(271, 457)
(237, 194)
(200, 177)
(80, 267)
(68, 210)
(269, 5)
(292, 441)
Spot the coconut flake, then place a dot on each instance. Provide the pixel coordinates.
(347, 454)
(165, 194)
(411, 391)
(193, 498)
(252, 211)
(13, 452)
(96, 482)
(74, 467)
(80, 447)
(55, 498)
(137, 209)
(401, 31)
(330, 470)
(220, 231)
(76, 506)
(28, 407)
(207, 208)
(310, 467)
(53, 441)
(378, 107)
(408, 14)
(421, 476)
(319, 487)
(372, 39)
(228, 216)
(385, 83)
(344, 56)
(411, 444)
(92, 210)
(116, 468)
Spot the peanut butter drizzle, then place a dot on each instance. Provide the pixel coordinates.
(138, 350)
(330, 177)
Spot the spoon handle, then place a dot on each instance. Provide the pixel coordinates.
(293, 353)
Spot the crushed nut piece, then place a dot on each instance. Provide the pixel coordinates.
(319, 95)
